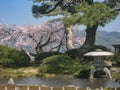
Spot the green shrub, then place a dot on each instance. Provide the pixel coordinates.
(76, 68)
(116, 58)
(20, 58)
(41, 56)
(72, 53)
(4, 51)
(56, 64)
(62, 65)
(6, 62)
(10, 57)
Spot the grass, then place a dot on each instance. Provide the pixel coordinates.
(22, 72)
(18, 72)
(116, 76)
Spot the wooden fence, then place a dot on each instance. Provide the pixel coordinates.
(37, 87)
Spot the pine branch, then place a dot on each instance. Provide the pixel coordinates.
(46, 12)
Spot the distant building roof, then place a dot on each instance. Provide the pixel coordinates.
(116, 45)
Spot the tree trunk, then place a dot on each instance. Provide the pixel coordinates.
(69, 38)
(90, 36)
(90, 39)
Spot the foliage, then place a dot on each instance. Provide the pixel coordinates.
(6, 62)
(12, 57)
(91, 15)
(41, 56)
(72, 53)
(116, 58)
(79, 69)
(55, 64)
(88, 13)
(62, 64)
(65, 5)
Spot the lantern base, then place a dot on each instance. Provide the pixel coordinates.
(106, 70)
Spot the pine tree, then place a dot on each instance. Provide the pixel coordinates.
(86, 12)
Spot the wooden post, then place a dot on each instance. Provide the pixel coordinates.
(51, 88)
(5, 87)
(115, 88)
(28, 88)
(63, 88)
(39, 88)
(101, 88)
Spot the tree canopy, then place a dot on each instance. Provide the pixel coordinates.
(90, 15)
(87, 12)
(62, 6)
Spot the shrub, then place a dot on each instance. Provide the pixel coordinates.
(76, 68)
(72, 53)
(116, 58)
(20, 58)
(56, 64)
(41, 56)
(6, 62)
(10, 57)
(62, 64)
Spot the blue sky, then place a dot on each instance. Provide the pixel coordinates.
(19, 12)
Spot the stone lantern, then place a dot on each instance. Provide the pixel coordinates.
(98, 62)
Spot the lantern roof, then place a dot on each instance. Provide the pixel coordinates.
(99, 52)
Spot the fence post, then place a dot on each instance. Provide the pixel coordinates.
(101, 88)
(51, 88)
(39, 88)
(115, 88)
(16, 88)
(76, 88)
(87, 88)
(5, 87)
(28, 88)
